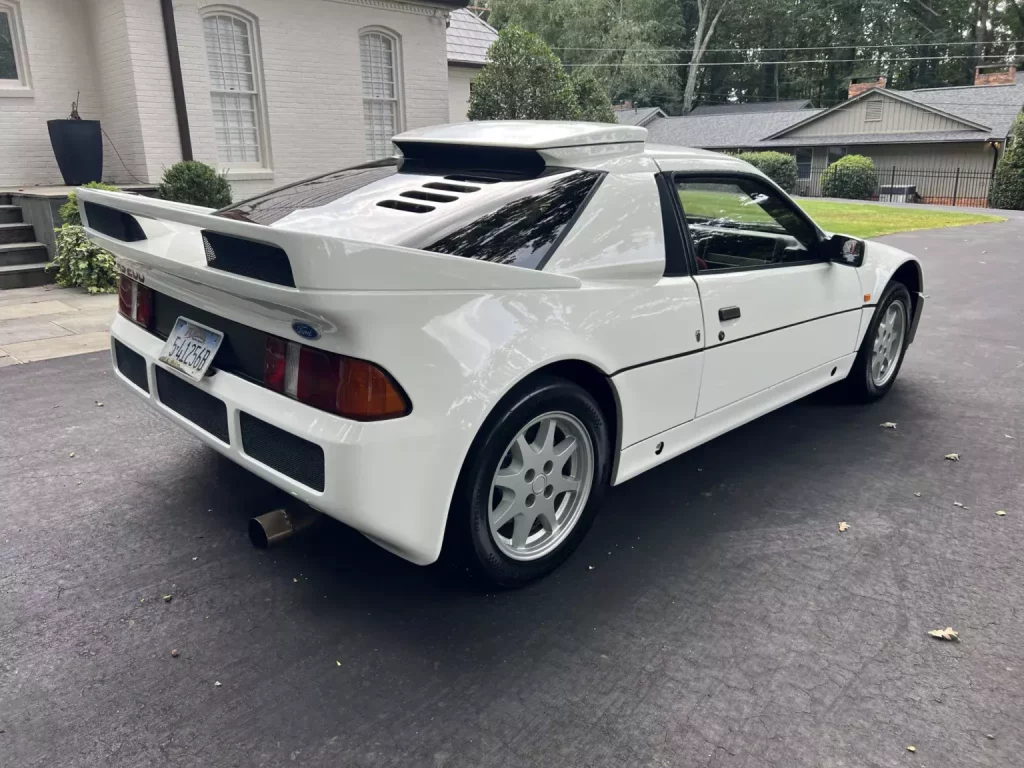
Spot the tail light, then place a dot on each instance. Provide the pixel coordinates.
(355, 389)
(135, 301)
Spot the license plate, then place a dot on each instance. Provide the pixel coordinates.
(190, 348)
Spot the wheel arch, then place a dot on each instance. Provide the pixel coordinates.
(586, 375)
(909, 273)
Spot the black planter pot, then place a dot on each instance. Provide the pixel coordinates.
(78, 147)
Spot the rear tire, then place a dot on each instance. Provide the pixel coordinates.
(881, 353)
(531, 485)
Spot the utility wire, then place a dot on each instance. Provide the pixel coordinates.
(798, 48)
(798, 61)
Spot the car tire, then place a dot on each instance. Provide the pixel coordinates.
(881, 352)
(502, 481)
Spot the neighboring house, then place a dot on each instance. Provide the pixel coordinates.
(268, 91)
(469, 38)
(945, 141)
(627, 114)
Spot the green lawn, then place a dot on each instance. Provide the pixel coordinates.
(867, 220)
(857, 219)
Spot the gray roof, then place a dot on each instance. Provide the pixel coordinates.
(993, 106)
(469, 37)
(724, 131)
(741, 108)
(640, 116)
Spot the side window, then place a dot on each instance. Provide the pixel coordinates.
(741, 224)
(523, 231)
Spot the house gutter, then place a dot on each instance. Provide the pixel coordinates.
(177, 83)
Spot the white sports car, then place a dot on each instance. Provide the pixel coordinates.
(457, 350)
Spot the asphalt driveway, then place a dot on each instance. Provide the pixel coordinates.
(715, 616)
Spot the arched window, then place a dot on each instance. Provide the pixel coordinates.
(233, 59)
(13, 66)
(382, 105)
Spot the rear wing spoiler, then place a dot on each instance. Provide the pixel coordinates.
(172, 241)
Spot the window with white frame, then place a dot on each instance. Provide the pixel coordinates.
(13, 68)
(235, 90)
(378, 56)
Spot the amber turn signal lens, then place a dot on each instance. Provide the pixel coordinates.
(355, 389)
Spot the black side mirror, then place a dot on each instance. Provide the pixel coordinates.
(845, 250)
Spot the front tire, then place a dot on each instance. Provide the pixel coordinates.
(881, 353)
(532, 484)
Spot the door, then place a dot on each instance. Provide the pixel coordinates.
(773, 307)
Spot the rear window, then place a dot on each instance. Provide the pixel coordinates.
(522, 232)
(278, 203)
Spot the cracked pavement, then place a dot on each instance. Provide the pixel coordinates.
(726, 621)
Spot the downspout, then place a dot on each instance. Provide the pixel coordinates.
(177, 84)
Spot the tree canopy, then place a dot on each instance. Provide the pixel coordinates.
(524, 80)
(640, 50)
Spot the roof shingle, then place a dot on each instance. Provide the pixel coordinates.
(469, 37)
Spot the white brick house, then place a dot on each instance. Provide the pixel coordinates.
(270, 90)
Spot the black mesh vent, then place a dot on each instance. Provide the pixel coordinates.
(248, 258)
(131, 365)
(203, 410)
(113, 223)
(289, 454)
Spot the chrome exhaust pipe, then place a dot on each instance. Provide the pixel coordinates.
(274, 527)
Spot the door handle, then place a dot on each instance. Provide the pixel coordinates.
(729, 313)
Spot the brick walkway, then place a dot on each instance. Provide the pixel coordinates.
(47, 321)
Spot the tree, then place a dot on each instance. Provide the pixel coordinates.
(594, 104)
(522, 80)
(1008, 184)
(706, 23)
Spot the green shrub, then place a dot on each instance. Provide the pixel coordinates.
(82, 264)
(1008, 184)
(595, 106)
(852, 177)
(69, 211)
(195, 183)
(777, 166)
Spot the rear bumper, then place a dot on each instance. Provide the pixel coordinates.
(386, 479)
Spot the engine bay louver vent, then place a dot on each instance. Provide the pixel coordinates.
(450, 187)
(432, 197)
(248, 258)
(402, 205)
(473, 179)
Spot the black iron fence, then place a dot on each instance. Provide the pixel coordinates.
(945, 186)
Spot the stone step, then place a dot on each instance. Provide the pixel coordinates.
(24, 276)
(16, 233)
(10, 214)
(19, 254)
(5, 199)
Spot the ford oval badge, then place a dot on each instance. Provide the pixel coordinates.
(305, 330)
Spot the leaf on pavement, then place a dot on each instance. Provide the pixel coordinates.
(888, 425)
(167, 598)
(911, 748)
(338, 663)
(957, 504)
(945, 634)
(216, 683)
(843, 527)
(71, 455)
(918, 494)
(1001, 512)
(953, 456)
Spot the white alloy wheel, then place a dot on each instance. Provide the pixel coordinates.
(541, 486)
